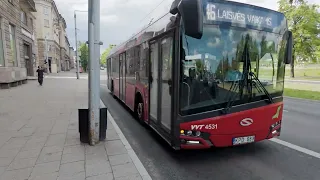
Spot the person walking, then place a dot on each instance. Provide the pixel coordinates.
(40, 72)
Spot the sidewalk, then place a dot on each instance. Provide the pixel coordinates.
(73, 75)
(39, 138)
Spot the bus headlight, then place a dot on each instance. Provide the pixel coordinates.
(189, 133)
(198, 133)
(276, 124)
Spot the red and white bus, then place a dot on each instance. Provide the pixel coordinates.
(209, 73)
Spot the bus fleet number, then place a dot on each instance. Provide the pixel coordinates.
(205, 126)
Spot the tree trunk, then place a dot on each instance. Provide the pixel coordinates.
(292, 66)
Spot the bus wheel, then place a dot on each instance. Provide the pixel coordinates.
(112, 90)
(139, 110)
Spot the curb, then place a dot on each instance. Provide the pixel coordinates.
(141, 169)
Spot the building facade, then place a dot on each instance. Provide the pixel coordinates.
(65, 49)
(72, 57)
(51, 34)
(18, 48)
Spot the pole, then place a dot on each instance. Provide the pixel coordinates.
(97, 52)
(96, 6)
(94, 90)
(46, 41)
(75, 34)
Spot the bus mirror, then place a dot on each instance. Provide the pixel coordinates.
(174, 7)
(192, 17)
(289, 49)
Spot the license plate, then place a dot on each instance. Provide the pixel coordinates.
(243, 140)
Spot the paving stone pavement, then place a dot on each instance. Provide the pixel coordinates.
(39, 138)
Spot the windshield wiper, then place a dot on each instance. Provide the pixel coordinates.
(245, 81)
(240, 83)
(233, 96)
(261, 86)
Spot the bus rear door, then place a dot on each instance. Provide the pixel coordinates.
(122, 80)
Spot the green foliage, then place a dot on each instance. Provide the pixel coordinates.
(200, 66)
(84, 55)
(103, 58)
(255, 54)
(303, 21)
(314, 95)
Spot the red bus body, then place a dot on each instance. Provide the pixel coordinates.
(131, 84)
(229, 127)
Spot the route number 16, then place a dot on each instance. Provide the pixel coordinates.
(211, 14)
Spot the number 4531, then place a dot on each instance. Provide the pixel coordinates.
(211, 126)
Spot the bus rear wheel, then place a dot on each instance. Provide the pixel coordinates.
(139, 110)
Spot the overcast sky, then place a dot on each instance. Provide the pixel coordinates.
(122, 18)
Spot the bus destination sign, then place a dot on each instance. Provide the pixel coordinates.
(243, 15)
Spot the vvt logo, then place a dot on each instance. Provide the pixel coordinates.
(246, 122)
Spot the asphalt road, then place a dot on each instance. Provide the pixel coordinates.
(301, 123)
(264, 160)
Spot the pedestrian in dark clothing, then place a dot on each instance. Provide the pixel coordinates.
(40, 72)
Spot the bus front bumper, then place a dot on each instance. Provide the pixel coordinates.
(226, 140)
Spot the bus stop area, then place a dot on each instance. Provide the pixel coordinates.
(39, 136)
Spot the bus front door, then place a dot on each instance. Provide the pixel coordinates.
(160, 83)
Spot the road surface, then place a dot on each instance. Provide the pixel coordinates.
(301, 123)
(264, 160)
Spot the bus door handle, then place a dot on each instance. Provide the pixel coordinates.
(188, 92)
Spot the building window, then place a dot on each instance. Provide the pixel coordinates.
(13, 45)
(31, 23)
(46, 23)
(45, 11)
(1, 47)
(23, 17)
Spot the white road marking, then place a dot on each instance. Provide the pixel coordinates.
(297, 148)
(285, 110)
(136, 161)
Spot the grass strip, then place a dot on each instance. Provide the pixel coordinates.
(304, 94)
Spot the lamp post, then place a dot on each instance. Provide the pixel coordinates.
(76, 40)
(94, 70)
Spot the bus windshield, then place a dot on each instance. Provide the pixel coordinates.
(212, 65)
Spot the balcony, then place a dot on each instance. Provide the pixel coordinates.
(28, 5)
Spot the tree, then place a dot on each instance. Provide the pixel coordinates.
(105, 54)
(303, 21)
(84, 55)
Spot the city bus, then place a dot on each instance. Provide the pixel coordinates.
(208, 73)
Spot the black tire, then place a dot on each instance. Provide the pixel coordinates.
(139, 109)
(112, 90)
